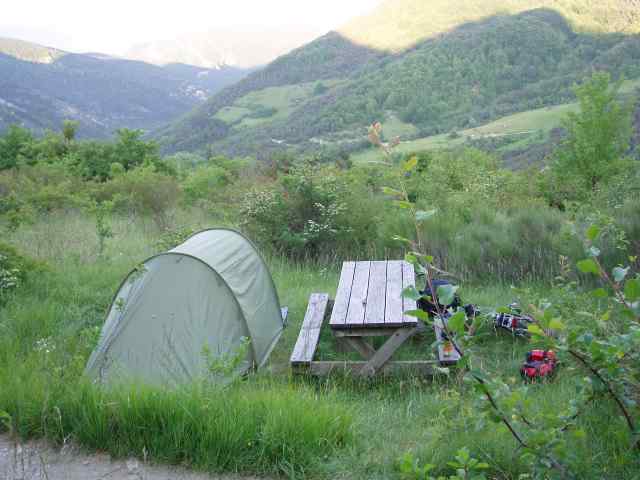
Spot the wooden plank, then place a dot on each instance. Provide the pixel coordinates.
(446, 356)
(307, 342)
(386, 351)
(393, 302)
(358, 300)
(379, 331)
(408, 279)
(360, 345)
(421, 368)
(376, 294)
(343, 294)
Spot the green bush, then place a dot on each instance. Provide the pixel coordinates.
(206, 185)
(41, 188)
(14, 269)
(144, 191)
(523, 244)
(172, 237)
(313, 211)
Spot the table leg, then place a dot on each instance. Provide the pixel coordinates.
(360, 345)
(386, 351)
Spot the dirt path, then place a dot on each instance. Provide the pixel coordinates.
(38, 461)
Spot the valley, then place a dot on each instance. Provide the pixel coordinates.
(41, 87)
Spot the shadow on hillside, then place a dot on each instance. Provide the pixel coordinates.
(336, 56)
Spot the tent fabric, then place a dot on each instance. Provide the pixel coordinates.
(211, 291)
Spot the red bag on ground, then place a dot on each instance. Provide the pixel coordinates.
(539, 364)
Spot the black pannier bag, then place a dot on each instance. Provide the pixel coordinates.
(430, 307)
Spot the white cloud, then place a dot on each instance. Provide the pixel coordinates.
(111, 26)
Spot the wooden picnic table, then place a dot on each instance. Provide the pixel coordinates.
(368, 303)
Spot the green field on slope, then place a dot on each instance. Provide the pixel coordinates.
(523, 125)
(268, 104)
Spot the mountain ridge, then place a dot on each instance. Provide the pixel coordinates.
(29, 51)
(40, 87)
(477, 72)
(399, 24)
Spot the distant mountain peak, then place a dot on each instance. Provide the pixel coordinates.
(242, 48)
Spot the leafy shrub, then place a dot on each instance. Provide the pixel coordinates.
(144, 191)
(312, 211)
(526, 244)
(172, 237)
(13, 146)
(206, 184)
(41, 188)
(14, 269)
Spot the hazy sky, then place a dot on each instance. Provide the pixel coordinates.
(111, 26)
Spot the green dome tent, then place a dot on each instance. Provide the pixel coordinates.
(212, 291)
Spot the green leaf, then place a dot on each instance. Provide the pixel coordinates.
(391, 191)
(411, 293)
(446, 293)
(403, 204)
(619, 273)
(599, 293)
(592, 232)
(410, 164)
(556, 324)
(456, 322)
(535, 330)
(479, 374)
(398, 238)
(422, 215)
(588, 266)
(421, 314)
(411, 258)
(632, 290)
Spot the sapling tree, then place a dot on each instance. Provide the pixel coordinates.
(598, 135)
(101, 212)
(611, 362)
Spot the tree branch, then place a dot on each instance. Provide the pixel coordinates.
(613, 394)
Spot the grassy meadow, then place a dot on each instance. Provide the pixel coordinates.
(270, 423)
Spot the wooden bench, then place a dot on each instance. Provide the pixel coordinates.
(307, 343)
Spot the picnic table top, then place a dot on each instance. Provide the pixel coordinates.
(369, 295)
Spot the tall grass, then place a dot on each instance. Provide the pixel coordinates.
(269, 424)
(48, 329)
(248, 428)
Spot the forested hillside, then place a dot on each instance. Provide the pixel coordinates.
(40, 87)
(461, 68)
